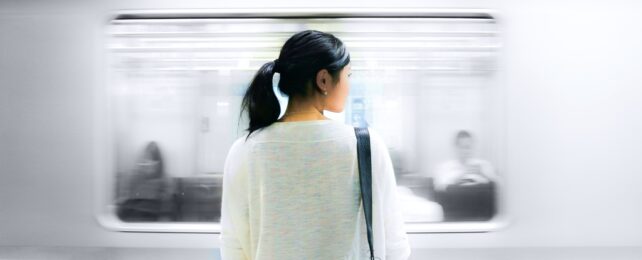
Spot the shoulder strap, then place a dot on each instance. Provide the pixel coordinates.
(365, 178)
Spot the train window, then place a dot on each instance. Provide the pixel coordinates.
(425, 81)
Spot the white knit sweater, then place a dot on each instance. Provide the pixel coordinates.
(291, 191)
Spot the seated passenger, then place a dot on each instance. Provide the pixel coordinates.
(465, 187)
(147, 199)
(464, 170)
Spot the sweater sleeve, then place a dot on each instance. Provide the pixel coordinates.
(234, 207)
(397, 244)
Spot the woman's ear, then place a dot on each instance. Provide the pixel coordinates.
(323, 80)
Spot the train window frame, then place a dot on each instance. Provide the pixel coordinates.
(104, 150)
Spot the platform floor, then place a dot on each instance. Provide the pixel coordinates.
(580, 253)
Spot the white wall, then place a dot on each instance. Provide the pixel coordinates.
(571, 73)
(572, 78)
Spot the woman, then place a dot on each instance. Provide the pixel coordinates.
(291, 187)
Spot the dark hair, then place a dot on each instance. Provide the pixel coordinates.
(461, 135)
(301, 57)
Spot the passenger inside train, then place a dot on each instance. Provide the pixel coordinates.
(465, 186)
(145, 194)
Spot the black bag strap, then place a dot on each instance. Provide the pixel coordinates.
(365, 179)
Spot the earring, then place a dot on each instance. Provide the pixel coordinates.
(325, 93)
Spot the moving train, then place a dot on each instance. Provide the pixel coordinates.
(116, 118)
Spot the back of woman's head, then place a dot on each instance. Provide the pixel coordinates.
(301, 57)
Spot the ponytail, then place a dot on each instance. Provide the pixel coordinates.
(300, 59)
(260, 101)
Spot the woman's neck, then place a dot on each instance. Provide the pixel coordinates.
(302, 111)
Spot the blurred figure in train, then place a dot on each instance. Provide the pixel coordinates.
(465, 186)
(464, 170)
(148, 189)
